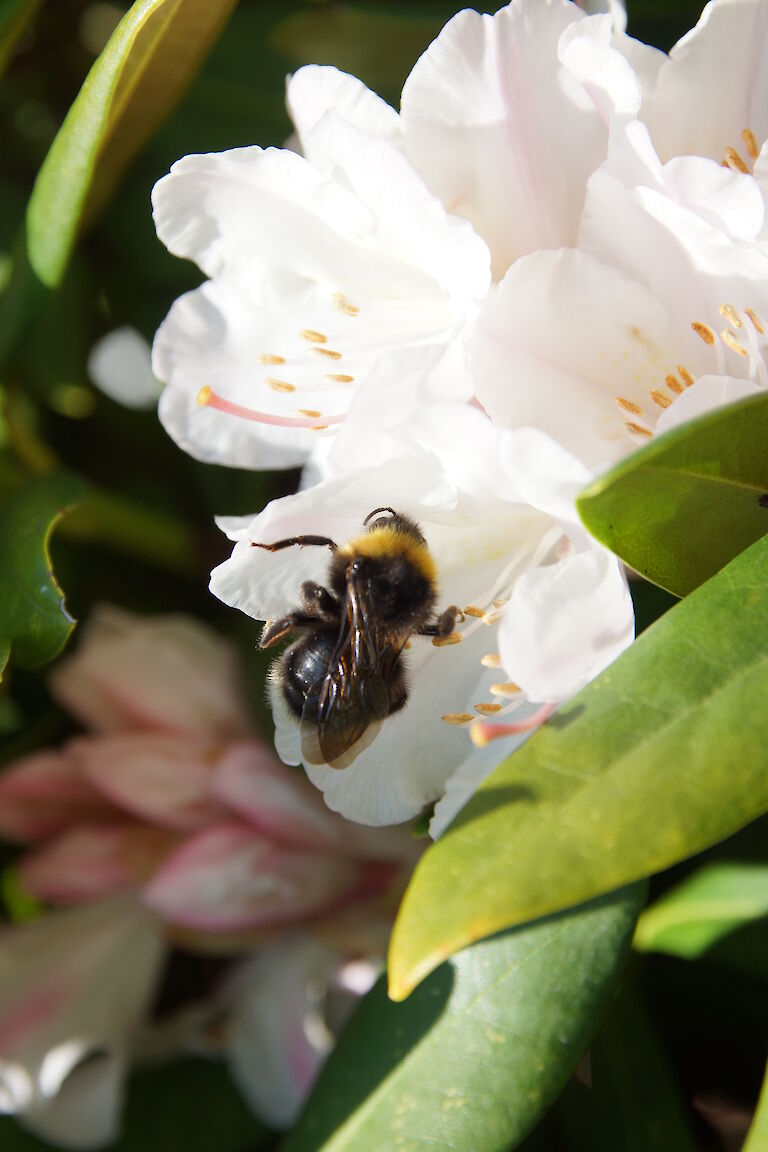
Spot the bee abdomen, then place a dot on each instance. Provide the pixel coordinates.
(303, 665)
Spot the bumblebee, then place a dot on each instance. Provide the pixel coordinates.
(345, 674)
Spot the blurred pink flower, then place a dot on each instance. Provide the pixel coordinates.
(168, 803)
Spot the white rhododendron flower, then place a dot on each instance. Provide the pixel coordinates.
(544, 608)
(605, 344)
(380, 239)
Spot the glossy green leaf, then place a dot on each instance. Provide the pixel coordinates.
(5, 651)
(15, 18)
(142, 73)
(637, 1106)
(32, 612)
(682, 507)
(705, 907)
(757, 1137)
(660, 757)
(480, 1051)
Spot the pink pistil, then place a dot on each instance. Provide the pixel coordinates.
(207, 398)
(483, 733)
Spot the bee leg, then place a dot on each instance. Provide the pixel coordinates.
(276, 630)
(302, 541)
(315, 598)
(445, 623)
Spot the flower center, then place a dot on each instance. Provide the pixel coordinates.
(744, 335)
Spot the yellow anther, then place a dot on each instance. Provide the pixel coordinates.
(472, 610)
(204, 396)
(730, 314)
(660, 398)
(269, 358)
(704, 331)
(313, 336)
(500, 601)
(750, 143)
(673, 383)
(328, 352)
(279, 385)
(487, 709)
(729, 339)
(339, 378)
(756, 321)
(508, 689)
(340, 301)
(445, 641)
(638, 429)
(457, 717)
(312, 413)
(491, 660)
(685, 375)
(734, 161)
(628, 405)
(491, 617)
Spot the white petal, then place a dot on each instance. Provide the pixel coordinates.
(565, 623)
(462, 785)
(714, 84)
(85, 1113)
(708, 393)
(315, 90)
(563, 337)
(120, 365)
(503, 135)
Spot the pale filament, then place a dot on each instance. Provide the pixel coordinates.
(482, 732)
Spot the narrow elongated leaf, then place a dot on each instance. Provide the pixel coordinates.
(144, 70)
(481, 1050)
(757, 1137)
(704, 908)
(32, 612)
(679, 509)
(660, 757)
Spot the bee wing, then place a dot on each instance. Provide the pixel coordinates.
(344, 710)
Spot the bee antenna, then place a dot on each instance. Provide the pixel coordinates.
(376, 511)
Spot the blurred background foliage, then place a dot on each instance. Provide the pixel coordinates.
(679, 1060)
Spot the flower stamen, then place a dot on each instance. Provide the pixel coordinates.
(491, 660)
(660, 398)
(473, 610)
(329, 352)
(673, 383)
(704, 331)
(271, 358)
(637, 429)
(730, 314)
(313, 336)
(339, 378)
(446, 641)
(629, 405)
(756, 321)
(483, 734)
(750, 143)
(279, 385)
(507, 689)
(729, 339)
(488, 709)
(341, 302)
(207, 398)
(685, 375)
(458, 718)
(733, 160)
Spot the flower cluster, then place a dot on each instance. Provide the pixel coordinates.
(464, 310)
(170, 822)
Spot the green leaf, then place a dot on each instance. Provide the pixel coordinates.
(32, 612)
(480, 1051)
(5, 651)
(191, 1104)
(660, 757)
(703, 908)
(637, 1104)
(682, 507)
(139, 77)
(15, 18)
(757, 1137)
